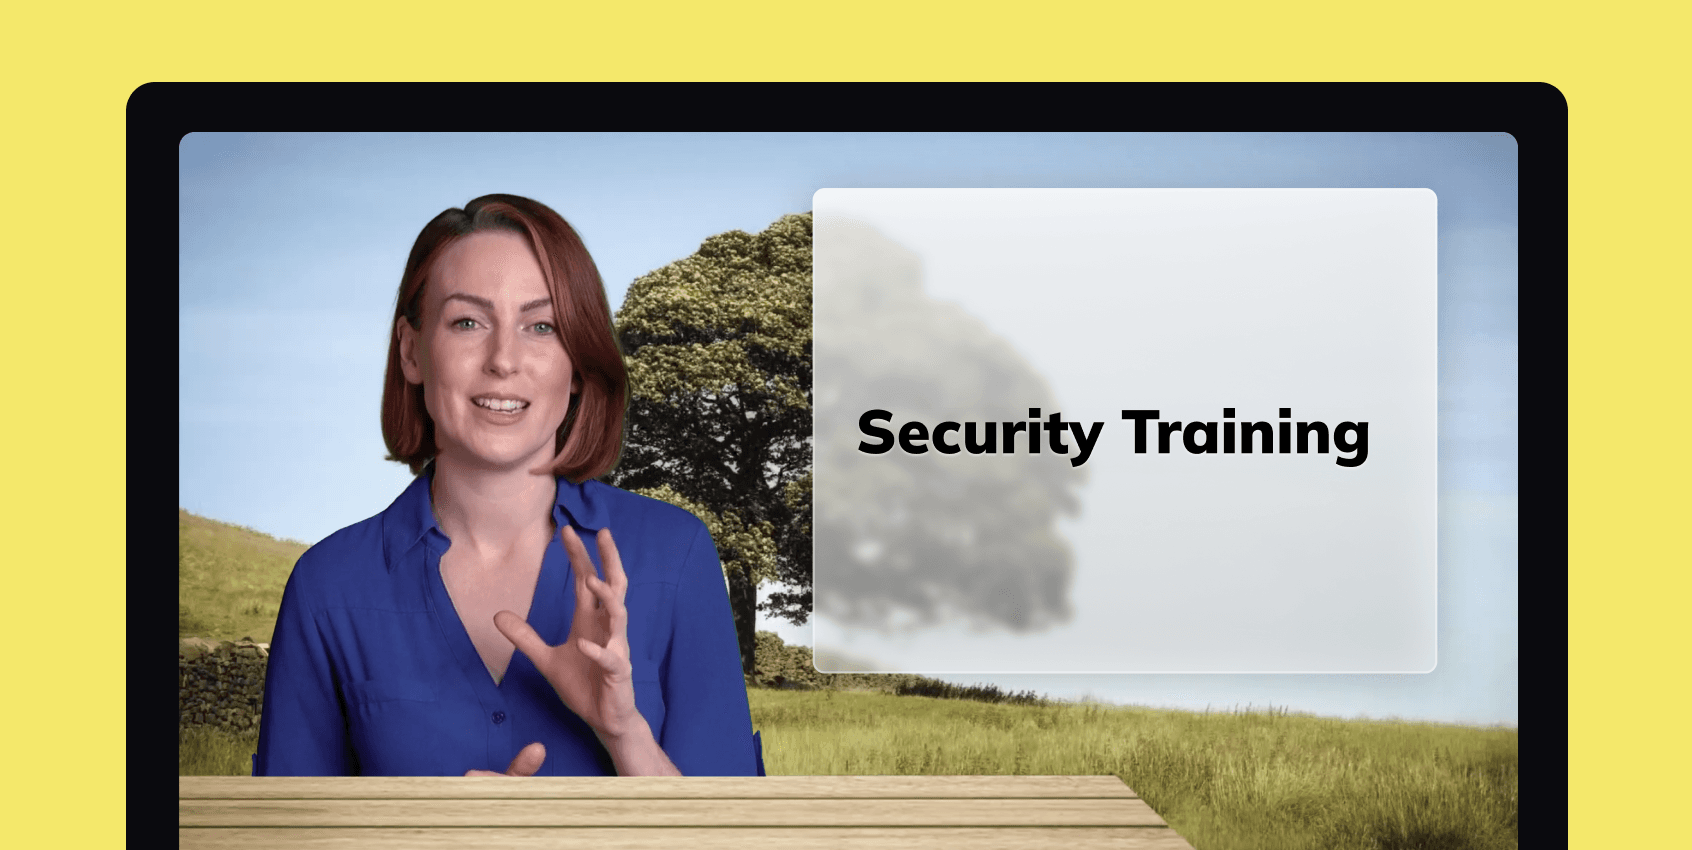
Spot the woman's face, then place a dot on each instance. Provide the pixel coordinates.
(495, 376)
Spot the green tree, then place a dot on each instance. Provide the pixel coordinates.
(719, 355)
(909, 540)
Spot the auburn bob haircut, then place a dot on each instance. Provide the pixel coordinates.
(591, 438)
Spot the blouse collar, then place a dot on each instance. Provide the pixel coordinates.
(409, 519)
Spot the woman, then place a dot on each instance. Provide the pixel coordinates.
(394, 648)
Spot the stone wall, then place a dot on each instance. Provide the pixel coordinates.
(221, 683)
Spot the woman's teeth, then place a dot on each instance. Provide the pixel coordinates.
(503, 405)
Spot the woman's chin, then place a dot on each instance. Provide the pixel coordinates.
(500, 459)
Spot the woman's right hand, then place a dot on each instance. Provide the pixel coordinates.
(590, 670)
(528, 761)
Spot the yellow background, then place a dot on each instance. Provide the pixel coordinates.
(67, 75)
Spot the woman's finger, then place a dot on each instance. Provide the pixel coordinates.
(613, 562)
(528, 760)
(580, 569)
(606, 658)
(523, 636)
(611, 604)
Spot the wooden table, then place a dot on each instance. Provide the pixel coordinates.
(675, 813)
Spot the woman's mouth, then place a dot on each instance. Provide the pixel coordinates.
(500, 405)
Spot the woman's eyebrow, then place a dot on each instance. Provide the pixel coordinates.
(487, 305)
(477, 300)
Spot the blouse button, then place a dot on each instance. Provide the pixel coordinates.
(499, 717)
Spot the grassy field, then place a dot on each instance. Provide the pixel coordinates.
(1263, 780)
(229, 579)
(205, 751)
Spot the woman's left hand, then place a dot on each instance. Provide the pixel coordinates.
(590, 670)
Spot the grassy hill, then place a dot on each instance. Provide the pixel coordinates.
(230, 578)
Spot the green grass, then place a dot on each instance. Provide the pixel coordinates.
(230, 579)
(1264, 780)
(204, 751)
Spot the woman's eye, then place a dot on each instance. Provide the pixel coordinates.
(464, 324)
(543, 327)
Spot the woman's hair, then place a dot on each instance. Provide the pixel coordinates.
(591, 438)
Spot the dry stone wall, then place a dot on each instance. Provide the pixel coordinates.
(221, 683)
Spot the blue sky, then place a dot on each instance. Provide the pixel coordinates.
(292, 246)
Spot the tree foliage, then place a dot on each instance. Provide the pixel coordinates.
(719, 354)
(912, 540)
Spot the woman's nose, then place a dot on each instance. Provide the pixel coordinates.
(502, 352)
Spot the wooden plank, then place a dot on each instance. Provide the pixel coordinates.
(680, 813)
(647, 787)
(1036, 838)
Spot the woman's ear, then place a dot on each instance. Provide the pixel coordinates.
(408, 351)
(575, 383)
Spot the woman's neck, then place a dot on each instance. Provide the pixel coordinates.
(491, 512)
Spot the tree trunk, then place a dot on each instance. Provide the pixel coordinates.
(743, 598)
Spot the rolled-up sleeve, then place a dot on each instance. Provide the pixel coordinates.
(302, 730)
(707, 723)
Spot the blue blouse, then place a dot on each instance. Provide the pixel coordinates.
(372, 673)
